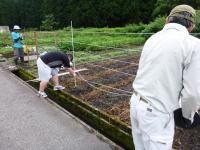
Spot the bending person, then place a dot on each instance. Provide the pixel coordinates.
(48, 67)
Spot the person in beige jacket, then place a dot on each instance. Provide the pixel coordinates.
(169, 70)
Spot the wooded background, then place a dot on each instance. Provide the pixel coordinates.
(84, 13)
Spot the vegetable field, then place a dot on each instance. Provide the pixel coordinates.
(111, 60)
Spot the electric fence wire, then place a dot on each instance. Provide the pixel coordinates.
(123, 33)
(111, 69)
(92, 84)
(115, 33)
(122, 61)
(110, 58)
(128, 50)
(116, 48)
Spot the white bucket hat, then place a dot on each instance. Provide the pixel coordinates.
(16, 27)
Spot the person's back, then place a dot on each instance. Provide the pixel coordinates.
(164, 56)
(48, 67)
(168, 71)
(55, 59)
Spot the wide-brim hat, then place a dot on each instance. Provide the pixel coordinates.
(16, 27)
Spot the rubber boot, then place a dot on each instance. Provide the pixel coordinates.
(22, 60)
(16, 61)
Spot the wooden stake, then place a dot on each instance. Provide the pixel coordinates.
(73, 50)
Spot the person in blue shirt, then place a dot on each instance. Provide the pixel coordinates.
(17, 45)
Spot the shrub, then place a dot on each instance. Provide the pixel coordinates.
(135, 28)
(197, 28)
(48, 23)
(155, 26)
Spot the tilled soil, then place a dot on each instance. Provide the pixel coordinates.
(108, 85)
(94, 87)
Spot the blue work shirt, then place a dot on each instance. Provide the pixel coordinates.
(17, 40)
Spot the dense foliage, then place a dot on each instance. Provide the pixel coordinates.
(95, 38)
(51, 14)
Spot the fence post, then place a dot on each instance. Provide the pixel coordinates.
(36, 42)
(72, 33)
(12, 40)
(55, 38)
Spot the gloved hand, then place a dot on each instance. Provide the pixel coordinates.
(182, 122)
(17, 40)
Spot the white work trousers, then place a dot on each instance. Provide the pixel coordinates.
(151, 129)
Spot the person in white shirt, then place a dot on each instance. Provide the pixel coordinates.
(169, 70)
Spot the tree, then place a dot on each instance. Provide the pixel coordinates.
(162, 7)
(84, 13)
(7, 12)
(48, 23)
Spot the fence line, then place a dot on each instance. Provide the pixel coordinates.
(82, 43)
(91, 84)
(50, 33)
(124, 33)
(110, 58)
(106, 86)
(116, 33)
(111, 69)
(124, 61)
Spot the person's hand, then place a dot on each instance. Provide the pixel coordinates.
(185, 123)
(21, 36)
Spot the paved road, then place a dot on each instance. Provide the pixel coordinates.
(28, 122)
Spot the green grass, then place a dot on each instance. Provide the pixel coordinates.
(5, 50)
(96, 42)
(84, 39)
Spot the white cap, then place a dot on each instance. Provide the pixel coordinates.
(16, 27)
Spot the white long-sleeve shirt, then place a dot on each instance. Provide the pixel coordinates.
(169, 70)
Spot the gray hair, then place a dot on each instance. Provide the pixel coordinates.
(180, 20)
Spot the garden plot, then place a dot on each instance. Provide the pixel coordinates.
(107, 85)
(93, 87)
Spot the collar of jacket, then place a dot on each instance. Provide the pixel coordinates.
(176, 26)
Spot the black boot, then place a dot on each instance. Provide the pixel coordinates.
(22, 60)
(16, 61)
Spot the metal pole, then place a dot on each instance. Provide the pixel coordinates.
(73, 50)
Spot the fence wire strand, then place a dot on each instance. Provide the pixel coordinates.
(91, 83)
